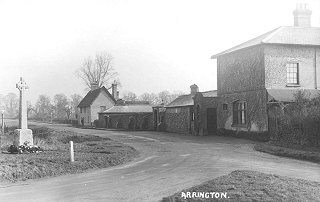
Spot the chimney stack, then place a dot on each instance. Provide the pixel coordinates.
(94, 85)
(194, 89)
(302, 16)
(115, 93)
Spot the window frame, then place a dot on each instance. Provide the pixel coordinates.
(192, 113)
(103, 108)
(292, 77)
(224, 106)
(239, 113)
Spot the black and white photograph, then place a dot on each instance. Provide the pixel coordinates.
(159, 101)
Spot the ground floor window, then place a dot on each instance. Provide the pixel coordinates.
(192, 113)
(225, 106)
(239, 112)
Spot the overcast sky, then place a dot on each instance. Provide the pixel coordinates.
(156, 45)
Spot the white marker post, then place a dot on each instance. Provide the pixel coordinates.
(71, 152)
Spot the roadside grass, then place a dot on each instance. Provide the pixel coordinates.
(307, 154)
(90, 152)
(245, 185)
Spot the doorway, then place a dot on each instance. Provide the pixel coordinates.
(212, 120)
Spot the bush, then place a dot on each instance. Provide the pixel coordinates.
(296, 123)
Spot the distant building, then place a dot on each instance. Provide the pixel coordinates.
(97, 100)
(194, 113)
(132, 115)
(269, 68)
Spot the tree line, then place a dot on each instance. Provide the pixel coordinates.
(60, 107)
(163, 97)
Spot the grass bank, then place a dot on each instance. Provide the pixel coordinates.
(90, 152)
(300, 153)
(243, 186)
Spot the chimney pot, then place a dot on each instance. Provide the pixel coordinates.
(302, 15)
(115, 93)
(94, 85)
(194, 89)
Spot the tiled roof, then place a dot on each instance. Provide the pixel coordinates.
(182, 100)
(288, 95)
(212, 93)
(92, 95)
(130, 109)
(187, 100)
(283, 35)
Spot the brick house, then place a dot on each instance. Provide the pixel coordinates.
(96, 100)
(194, 113)
(269, 68)
(132, 115)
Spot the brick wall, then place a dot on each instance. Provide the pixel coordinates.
(256, 102)
(241, 71)
(178, 121)
(138, 120)
(200, 126)
(276, 58)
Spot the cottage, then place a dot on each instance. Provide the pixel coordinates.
(270, 67)
(194, 113)
(132, 115)
(97, 100)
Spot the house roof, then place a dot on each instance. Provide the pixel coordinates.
(309, 36)
(182, 100)
(288, 95)
(123, 109)
(212, 93)
(92, 95)
(187, 100)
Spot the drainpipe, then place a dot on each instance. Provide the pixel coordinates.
(315, 69)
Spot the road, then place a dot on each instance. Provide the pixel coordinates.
(167, 164)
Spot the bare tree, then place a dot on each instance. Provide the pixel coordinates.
(130, 96)
(30, 109)
(166, 97)
(2, 102)
(11, 105)
(75, 100)
(152, 98)
(61, 105)
(99, 70)
(43, 107)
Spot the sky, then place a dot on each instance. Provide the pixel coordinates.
(156, 45)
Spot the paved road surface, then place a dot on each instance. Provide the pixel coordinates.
(167, 164)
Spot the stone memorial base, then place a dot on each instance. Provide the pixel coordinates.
(21, 136)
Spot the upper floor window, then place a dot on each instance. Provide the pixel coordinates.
(293, 73)
(80, 109)
(239, 112)
(103, 108)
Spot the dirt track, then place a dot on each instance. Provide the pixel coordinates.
(168, 163)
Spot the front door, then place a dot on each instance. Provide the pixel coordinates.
(212, 120)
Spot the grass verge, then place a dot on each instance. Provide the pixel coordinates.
(307, 155)
(90, 152)
(243, 185)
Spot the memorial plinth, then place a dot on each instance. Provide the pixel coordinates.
(22, 136)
